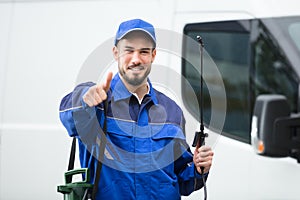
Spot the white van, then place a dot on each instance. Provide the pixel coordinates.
(251, 48)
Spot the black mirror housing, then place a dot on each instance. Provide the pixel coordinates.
(275, 132)
(268, 109)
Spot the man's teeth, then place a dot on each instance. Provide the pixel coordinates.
(136, 68)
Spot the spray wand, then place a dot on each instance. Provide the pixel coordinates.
(200, 136)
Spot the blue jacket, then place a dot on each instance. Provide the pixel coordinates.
(146, 156)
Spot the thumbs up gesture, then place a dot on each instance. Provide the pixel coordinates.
(98, 93)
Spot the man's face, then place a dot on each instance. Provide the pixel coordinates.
(135, 55)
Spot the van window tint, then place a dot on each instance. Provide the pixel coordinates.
(273, 73)
(229, 51)
(251, 61)
(294, 31)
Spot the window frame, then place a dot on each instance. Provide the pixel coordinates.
(236, 26)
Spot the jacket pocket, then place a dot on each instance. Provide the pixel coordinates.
(119, 133)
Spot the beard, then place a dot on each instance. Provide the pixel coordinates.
(135, 80)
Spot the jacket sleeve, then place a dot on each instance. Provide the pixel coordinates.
(72, 104)
(83, 122)
(189, 178)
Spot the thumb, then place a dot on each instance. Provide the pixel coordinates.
(196, 151)
(197, 147)
(106, 83)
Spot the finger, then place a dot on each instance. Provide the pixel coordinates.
(205, 154)
(88, 101)
(203, 161)
(91, 102)
(106, 84)
(205, 170)
(97, 98)
(102, 95)
(206, 164)
(204, 149)
(91, 97)
(196, 151)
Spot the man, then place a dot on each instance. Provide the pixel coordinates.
(146, 155)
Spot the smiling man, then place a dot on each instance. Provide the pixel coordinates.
(146, 155)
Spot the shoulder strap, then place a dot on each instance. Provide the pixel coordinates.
(101, 153)
(100, 156)
(71, 159)
(72, 155)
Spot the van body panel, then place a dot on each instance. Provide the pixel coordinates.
(44, 46)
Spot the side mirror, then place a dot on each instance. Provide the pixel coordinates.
(274, 131)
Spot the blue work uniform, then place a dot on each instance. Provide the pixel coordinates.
(146, 155)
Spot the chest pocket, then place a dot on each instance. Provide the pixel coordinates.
(164, 139)
(120, 135)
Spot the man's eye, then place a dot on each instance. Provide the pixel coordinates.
(128, 51)
(145, 52)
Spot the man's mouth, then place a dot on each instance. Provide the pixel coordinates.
(136, 68)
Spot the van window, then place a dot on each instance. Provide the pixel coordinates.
(229, 51)
(272, 71)
(250, 61)
(294, 31)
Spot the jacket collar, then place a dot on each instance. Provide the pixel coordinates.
(120, 92)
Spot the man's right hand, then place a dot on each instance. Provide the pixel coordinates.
(98, 93)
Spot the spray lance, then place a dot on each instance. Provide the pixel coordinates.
(200, 136)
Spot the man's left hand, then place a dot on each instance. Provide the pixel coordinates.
(203, 158)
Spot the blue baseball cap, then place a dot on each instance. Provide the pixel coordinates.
(135, 25)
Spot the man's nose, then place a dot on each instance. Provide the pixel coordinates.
(136, 58)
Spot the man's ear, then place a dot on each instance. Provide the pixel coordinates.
(115, 52)
(153, 55)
